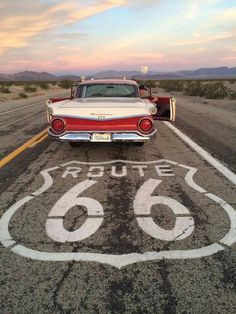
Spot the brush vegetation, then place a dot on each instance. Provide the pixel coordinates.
(210, 89)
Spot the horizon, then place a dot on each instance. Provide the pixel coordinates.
(66, 37)
(107, 70)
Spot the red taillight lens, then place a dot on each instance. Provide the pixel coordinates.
(58, 125)
(145, 125)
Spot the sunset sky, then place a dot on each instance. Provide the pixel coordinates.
(86, 36)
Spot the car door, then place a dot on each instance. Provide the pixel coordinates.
(166, 107)
(73, 90)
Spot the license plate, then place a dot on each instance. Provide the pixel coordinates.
(101, 137)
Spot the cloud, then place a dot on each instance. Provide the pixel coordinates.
(23, 20)
(74, 11)
(17, 29)
(203, 39)
(140, 4)
(230, 58)
(50, 33)
(221, 16)
(195, 8)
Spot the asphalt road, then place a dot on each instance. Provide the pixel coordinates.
(211, 123)
(115, 228)
(22, 119)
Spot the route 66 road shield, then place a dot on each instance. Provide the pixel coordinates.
(118, 213)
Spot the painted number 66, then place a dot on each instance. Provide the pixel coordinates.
(143, 202)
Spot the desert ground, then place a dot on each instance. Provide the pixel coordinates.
(17, 92)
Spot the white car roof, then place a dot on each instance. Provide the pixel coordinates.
(110, 81)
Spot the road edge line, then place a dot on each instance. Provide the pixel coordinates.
(231, 176)
(20, 149)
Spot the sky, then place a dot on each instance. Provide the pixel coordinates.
(87, 36)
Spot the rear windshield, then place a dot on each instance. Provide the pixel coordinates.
(107, 90)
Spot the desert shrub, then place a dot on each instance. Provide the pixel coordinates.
(23, 95)
(5, 90)
(215, 90)
(232, 81)
(44, 85)
(232, 94)
(19, 83)
(30, 89)
(8, 83)
(194, 88)
(210, 90)
(173, 85)
(151, 84)
(65, 84)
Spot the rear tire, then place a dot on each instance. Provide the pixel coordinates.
(74, 144)
(139, 143)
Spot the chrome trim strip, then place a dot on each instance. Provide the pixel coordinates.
(51, 133)
(73, 137)
(172, 108)
(106, 119)
(129, 137)
(87, 136)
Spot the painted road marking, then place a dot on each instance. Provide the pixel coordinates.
(143, 203)
(55, 226)
(20, 149)
(19, 108)
(7, 125)
(39, 140)
(231, 176)
(74, 196)
(98, 171)
(30, 105)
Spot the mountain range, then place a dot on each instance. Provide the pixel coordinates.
(202, 73)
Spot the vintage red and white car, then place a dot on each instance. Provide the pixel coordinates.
(108, 110)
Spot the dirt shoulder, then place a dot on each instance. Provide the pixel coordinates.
(17, 92)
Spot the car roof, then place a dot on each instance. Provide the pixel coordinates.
(109, 81)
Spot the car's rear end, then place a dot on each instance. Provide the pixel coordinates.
(137, 129)
(107, 111)
(115, 120)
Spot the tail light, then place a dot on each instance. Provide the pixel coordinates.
(58, 125)
(145, 125)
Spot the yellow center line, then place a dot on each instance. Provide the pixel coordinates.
(20, 149)
(39, 140)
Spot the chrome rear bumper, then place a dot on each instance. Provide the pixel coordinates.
(87, 136)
